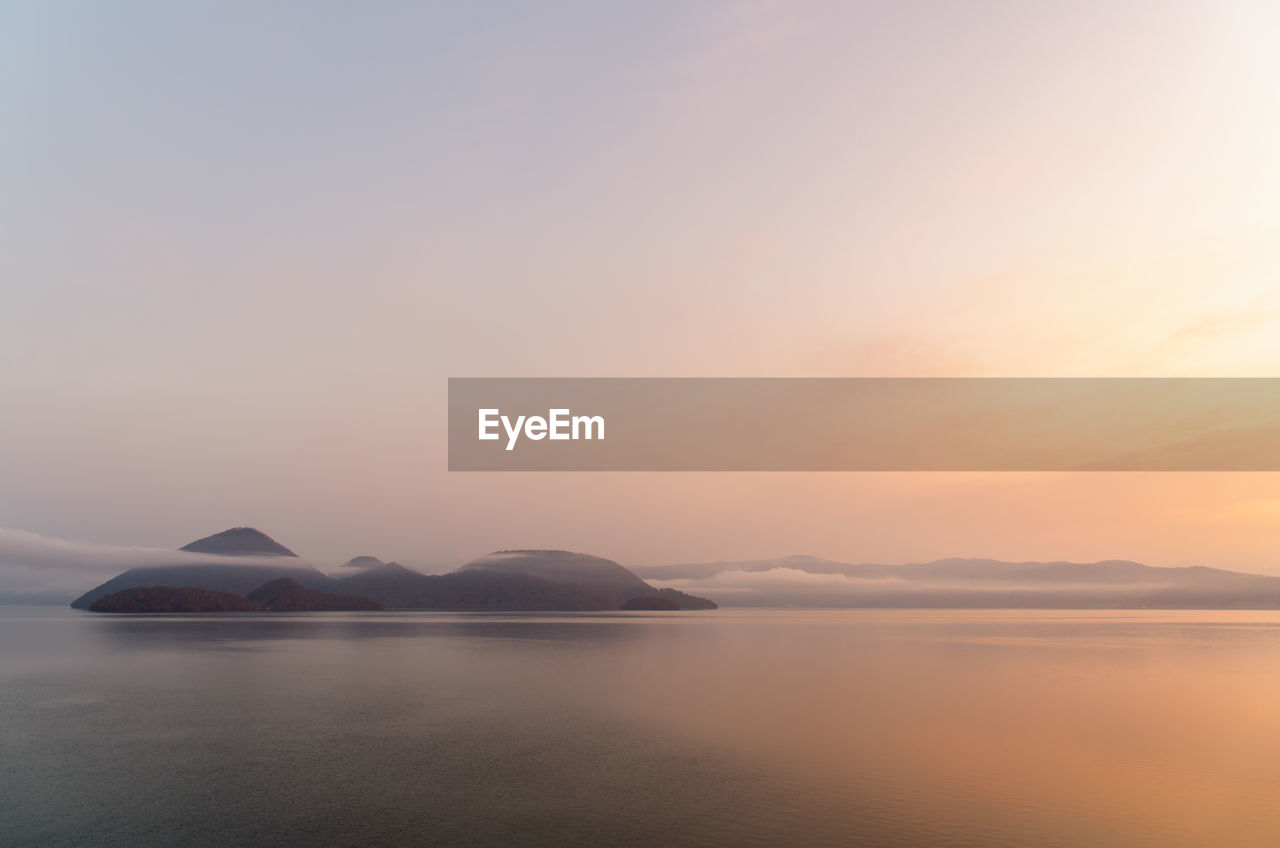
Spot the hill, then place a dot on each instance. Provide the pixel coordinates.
(282, 595)
(172, 599)
(650, 602)
(238, 579)
(609, 581)
(511, 580)
(685, 601)
(403, 588)
(254, 558)
(287, 595)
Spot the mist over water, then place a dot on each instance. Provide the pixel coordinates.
(736, 727)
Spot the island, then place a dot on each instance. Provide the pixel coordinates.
(255, 569)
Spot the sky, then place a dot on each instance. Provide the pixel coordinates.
(246, 244)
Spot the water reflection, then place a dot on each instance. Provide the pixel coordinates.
(151, 631)
(729, 728)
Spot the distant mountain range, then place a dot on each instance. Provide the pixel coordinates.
(969, 583)
(506, 580)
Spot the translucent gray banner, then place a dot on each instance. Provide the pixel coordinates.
(864, 424)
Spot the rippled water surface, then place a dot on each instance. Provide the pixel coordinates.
(720, 728)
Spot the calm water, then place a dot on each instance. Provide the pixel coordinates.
(720, 728)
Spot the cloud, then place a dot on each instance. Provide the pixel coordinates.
(31, 564)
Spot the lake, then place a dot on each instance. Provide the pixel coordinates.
(729, 727)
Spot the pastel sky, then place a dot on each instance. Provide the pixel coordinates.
(245, 244)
